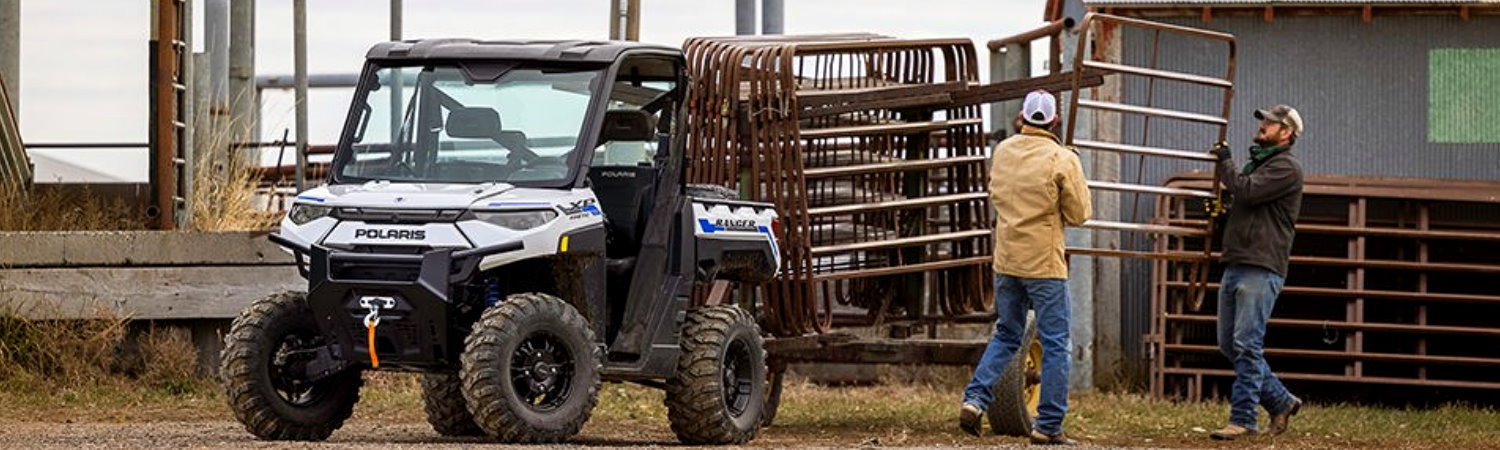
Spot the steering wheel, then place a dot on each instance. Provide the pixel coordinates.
(475, 171)
(405, 168)
(515, 141)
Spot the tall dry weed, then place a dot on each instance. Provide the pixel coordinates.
(56, 208)
(51, 355)
(226, 177)
(168, 360)
(60, 352)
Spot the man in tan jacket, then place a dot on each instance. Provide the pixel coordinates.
(1037, 187)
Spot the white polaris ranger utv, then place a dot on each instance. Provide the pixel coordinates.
(509, 219)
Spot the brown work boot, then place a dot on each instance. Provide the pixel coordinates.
(970, 419)
(1231, 432)
(1037, 438)
(1280, 422)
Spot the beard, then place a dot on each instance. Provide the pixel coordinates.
(1265, 141)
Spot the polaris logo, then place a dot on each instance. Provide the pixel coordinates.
(376, 233)
(617, 174)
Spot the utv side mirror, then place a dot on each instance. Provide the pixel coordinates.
(628, 125)
(473, 123)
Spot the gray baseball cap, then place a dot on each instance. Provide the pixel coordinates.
(1284, 115)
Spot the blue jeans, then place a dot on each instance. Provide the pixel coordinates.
(1049, 297)
(1246, 297)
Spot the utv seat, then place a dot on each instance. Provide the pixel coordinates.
(626, 195)
(625, 183)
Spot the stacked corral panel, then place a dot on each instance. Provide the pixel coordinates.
(1392, 283)
(878, 170)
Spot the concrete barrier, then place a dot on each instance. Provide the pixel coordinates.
(142, 275)
(197, 281)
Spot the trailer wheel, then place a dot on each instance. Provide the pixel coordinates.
(264, 357)
(443, 401)
(773, 400)
(718, 395)
(531, 370)
(1019, 390)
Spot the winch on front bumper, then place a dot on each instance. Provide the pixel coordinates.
(414, 296)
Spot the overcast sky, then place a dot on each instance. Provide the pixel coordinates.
(83, 62)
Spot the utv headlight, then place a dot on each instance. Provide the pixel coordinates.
(302, 213)
(517, 220)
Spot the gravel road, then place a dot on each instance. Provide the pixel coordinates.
(229, 435)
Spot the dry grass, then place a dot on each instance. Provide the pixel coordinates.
(80, 372)
(224, 193)
(91, 369)
(53, 208)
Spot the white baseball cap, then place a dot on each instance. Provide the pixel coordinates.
(1040, 108)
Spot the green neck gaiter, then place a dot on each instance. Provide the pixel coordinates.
(1258, 156)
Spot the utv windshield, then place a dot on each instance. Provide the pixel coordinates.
(467, 123)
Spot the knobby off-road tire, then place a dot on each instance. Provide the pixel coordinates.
(718, 395)
(443, 401)
(1016, 394)
(531, 370)
(257, 370)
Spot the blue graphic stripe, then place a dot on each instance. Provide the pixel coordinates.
(775, 252)
(593, 209)
(520, 204)
(709, 227)
(309, 198)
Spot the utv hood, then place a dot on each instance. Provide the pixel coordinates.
(381, 194)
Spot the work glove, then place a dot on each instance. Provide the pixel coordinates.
(1215, 207)
(1221, 151)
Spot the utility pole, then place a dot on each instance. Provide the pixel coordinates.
(773, 17)
(625, 20)
(299, 38)
(396, 81)
(216, 45)
(744, 17)
(244, 103)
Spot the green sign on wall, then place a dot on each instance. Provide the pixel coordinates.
(1463, 96)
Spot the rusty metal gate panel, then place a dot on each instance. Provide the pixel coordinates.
(1212, 123)
(15, 166)
(878, 172)
(1391, 282)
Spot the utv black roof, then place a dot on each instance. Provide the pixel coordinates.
(583, 51)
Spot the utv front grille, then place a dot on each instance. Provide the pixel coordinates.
(391, 249)
(375, 272)
(398, 216)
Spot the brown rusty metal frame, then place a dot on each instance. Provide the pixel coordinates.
(873, 150)
(1379, 350)
(877, 170)
(15, 166)
(168, 122)
(1092, 57)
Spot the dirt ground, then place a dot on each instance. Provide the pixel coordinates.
(226, 435)
(390, 415)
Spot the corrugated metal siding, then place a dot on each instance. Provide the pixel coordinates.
(1361, 88)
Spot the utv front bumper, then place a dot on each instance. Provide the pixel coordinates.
(414, 334)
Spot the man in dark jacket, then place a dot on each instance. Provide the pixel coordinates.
(1267, 194)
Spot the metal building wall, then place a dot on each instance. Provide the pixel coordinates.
(1362, 90)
